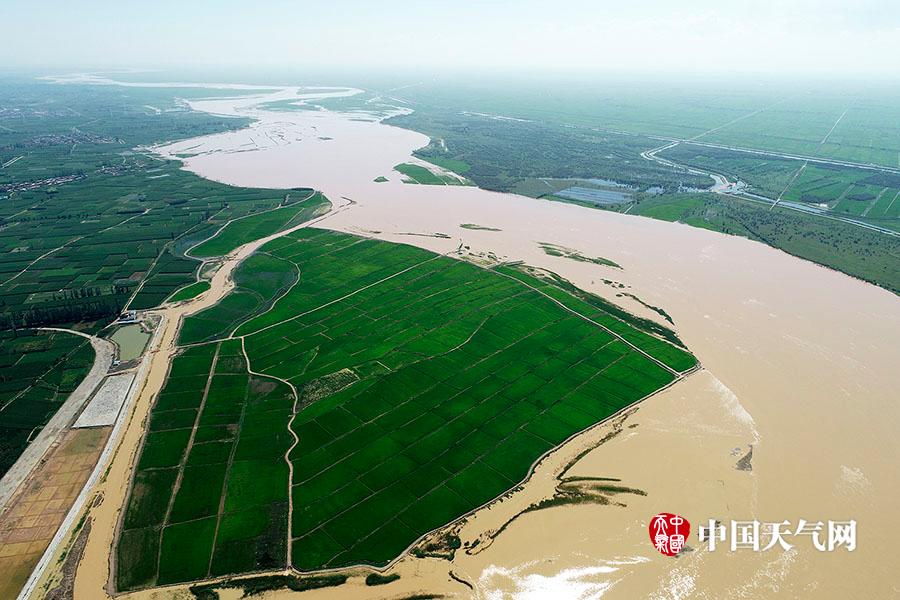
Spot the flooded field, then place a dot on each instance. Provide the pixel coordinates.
(792, 418)
(594, 196)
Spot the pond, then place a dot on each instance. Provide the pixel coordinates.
(131, 340)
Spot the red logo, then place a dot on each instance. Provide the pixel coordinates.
(668, 532)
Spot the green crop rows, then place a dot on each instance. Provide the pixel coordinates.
(38, 371)
(209, 492)
(425, 387)
(89, 225)
(189, 291)
(254, 227)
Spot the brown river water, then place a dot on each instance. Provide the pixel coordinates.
(800, 362)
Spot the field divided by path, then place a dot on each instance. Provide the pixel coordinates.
(209, 490)
(425, 387)
(257, 226)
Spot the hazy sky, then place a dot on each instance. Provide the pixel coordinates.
(812, 36)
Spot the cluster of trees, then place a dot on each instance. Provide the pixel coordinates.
(70, 306)
(104, 308)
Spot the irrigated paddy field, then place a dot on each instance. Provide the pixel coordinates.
(381, 391)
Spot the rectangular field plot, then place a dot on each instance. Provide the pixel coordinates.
(209, 496)
(39, 371)
(423, 387)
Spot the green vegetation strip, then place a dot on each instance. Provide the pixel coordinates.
(38, 371)
(426, 386)
(420, 174)
(476, 227)
(379, 579)
(189, 292)
(554, 250)
(253, 227)
(253, 586)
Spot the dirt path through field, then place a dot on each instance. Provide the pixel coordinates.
(95, 569)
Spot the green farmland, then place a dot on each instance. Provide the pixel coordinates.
(38, 371)
(189, 291)
(90, 223)
(257, 226)
(209, 491)
(853, 122)
(419, 174)
(418, 387)
(842, 190)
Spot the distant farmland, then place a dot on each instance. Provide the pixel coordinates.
(88, 225)
(843, 190)
(405, 388)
